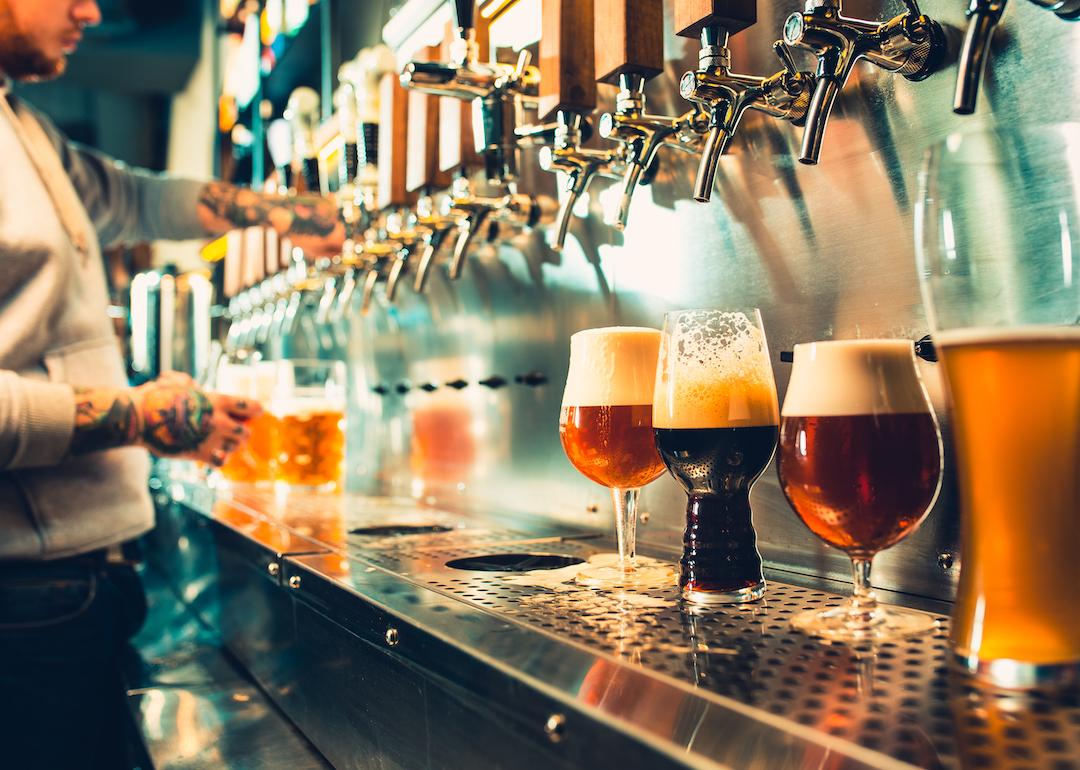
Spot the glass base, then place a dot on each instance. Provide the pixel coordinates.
(615, 576)
(738, 596)
(885, 623)
(1020, 675)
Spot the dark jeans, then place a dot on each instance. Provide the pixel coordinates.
(63, 628)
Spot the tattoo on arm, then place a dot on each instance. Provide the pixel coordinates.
(175, 419)
(223, 207)
(104, 419)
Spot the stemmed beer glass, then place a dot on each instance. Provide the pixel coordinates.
(606, 429)
(716, 421)
(860, 462)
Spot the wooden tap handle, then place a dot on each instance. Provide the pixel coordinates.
(629, 39)
(692, 15)
(567, 61)
(457, 145)
(422, 161)
(393, 143)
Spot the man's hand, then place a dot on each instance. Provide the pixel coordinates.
(311, 222)
(172, 417)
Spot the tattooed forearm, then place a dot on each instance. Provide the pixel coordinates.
(104, 419)
(175, 419)
(223, 207)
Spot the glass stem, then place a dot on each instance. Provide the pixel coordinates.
(863, 605)
(626, 502)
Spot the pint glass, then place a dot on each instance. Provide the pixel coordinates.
(716, 420)
(253, 461)
(998, 240)
(606, 430)
(309, 404)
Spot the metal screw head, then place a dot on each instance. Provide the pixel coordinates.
(392, 637)
(643, 517)
(592, 508)
(294, 581)
(555, 727)
(945, 560)
(273, 568)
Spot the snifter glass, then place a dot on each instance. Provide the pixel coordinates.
(716, 417)
(860, 462)
(606, 430)
(998, 244)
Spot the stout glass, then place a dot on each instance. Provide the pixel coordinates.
(606, 429)
(998, 239)
(309, 404)
(860, 462)
(716, 417)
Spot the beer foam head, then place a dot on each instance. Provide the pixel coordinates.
(234, 380)
(613, 366)
(714, 372)
(854, 377)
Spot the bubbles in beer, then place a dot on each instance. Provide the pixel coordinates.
(714, 372)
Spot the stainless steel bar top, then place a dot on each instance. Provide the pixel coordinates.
(733, 686)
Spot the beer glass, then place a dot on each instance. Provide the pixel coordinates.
(860, 462)
(253, 461)
(998, 247)
(309, 404)
(606, 430)
(716, 421)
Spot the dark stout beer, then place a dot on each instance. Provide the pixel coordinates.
(860, 482)
(716, 467)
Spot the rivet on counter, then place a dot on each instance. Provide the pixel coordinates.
(273, 568)
(392, 637)
(945, 560)
(294, 581)
(555, 728)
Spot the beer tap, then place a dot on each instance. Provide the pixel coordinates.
(983, 17)
(279, 142)
(435, 226)
(725, 96)
(628, 54)
(496, 90)
(912, 45)
(379, 255)
(567, 96)
(302, 113)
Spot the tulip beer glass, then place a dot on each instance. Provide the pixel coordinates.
(860, 462)
(607, 431)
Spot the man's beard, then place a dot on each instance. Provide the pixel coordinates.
(19, 58)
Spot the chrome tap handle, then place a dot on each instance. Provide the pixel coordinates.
(371, 279)
(783, 52)
(983, 17)
(397, 269)
(469, 228)
(432, 244)
(817, 117)
(716, 142)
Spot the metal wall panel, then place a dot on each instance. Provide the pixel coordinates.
(826, 252)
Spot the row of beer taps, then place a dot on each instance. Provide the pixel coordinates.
(385, 244)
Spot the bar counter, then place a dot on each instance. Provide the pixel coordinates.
(344, 611)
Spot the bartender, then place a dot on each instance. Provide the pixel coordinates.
(73, 435)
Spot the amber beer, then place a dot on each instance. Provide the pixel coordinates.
(716, 421)
(1016, 414)
(612, 444)
(860, 482)
(310, 444)
(253, 462)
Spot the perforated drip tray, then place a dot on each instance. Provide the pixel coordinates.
(901, 699)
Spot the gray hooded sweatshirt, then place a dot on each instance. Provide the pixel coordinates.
(55, 334)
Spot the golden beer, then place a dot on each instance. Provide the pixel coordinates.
(254, 460)
(1016, 413)
(311, 445)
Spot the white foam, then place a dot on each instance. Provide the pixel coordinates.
(305, 406)
(234, 380)
(990, 334)
(613, 366)
(714, 373)
(854, 377)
